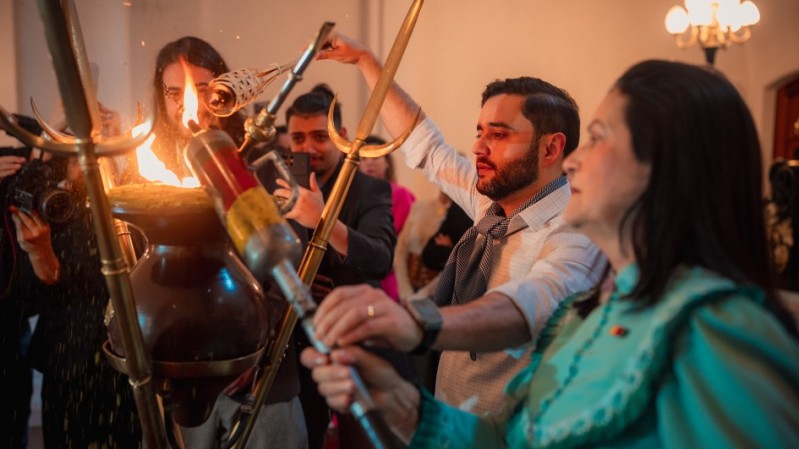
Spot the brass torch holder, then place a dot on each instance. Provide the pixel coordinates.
(261, 129)
(65, 41)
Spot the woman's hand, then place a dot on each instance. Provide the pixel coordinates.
(33, 235)
(395, 398)
(9, 165)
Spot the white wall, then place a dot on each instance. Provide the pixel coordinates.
(582, 46)
(263, 32)
(8, 63)
(124, 40)
(458, 47)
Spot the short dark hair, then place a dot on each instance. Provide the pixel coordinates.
(315, 102)
(703, 205)
(549, 108)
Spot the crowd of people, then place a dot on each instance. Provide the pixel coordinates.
(614, 293)
(649, 355)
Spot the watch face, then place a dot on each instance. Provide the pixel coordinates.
(428, 311)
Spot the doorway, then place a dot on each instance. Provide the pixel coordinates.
(786, 133)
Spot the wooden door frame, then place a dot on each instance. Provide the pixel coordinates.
(783, 121)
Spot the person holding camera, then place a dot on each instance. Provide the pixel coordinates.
(24, 250)
(85, 402)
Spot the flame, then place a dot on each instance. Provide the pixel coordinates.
(190, 98)
(151, 168)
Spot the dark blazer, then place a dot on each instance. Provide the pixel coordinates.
(367, 213)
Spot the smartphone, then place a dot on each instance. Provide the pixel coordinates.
(299, 165)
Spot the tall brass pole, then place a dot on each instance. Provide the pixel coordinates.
(318, 244)
(121, 229)
(68, 57)
(106, 171)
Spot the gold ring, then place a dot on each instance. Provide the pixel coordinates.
(370, 311)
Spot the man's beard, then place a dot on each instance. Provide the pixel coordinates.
(319, 166)
(513, 176)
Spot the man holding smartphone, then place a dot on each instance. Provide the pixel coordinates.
(361, 245)
(360, 248)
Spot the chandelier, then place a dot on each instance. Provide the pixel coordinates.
(712, 23)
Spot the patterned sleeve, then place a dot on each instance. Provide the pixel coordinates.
(734, 381)
(445, 427)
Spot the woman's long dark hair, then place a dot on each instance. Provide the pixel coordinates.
(200, 53)
(704, 202)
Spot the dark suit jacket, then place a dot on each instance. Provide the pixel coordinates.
(367, 213)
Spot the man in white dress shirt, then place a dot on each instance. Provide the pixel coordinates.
(507, 275)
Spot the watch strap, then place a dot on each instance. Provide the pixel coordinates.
(429, 330)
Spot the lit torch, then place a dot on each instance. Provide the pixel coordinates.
(191, 103)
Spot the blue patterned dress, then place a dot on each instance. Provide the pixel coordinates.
(707, 366)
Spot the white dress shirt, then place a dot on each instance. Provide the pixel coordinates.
(539, 262)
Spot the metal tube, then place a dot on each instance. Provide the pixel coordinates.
(68, 55)
(261, 129)
(121, 228)
(363, 407)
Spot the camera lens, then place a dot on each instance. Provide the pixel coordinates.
(56, 206)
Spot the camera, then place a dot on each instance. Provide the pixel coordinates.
(33, 188)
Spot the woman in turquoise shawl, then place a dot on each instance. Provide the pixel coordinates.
(685, 345)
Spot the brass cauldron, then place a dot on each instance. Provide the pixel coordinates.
(201, 312)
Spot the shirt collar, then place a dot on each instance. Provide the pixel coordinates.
(626, 279)
(549, 205)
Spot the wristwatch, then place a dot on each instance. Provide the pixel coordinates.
(426, 314)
